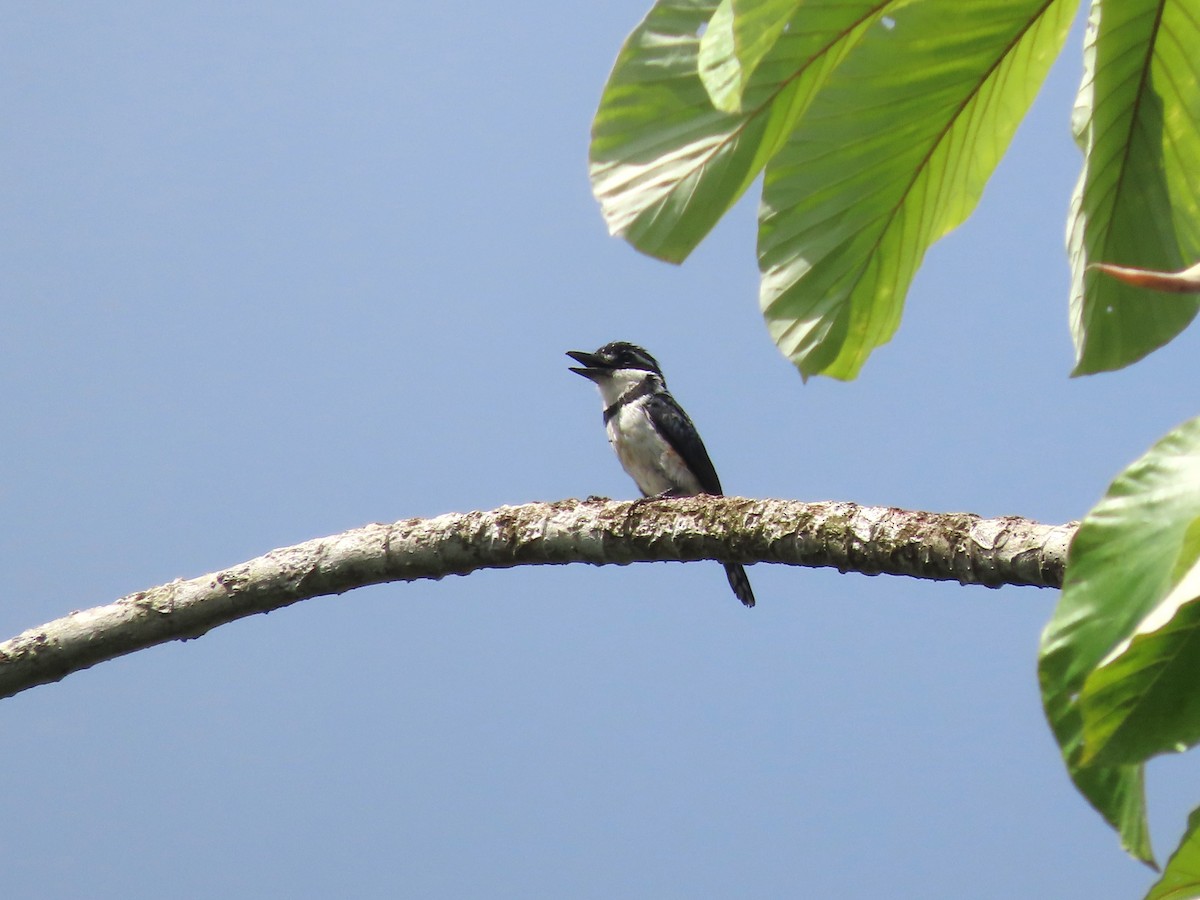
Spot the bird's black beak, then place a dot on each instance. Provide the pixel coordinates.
(590, 365)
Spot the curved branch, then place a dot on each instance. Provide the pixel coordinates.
(872, 540)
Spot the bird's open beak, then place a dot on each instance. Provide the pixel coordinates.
(590, 365)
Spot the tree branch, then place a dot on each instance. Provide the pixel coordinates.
(868, 539)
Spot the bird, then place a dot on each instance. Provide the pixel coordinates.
(654, 439)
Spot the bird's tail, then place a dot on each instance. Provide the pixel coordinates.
(740, 582)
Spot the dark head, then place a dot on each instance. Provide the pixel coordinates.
(612, 358)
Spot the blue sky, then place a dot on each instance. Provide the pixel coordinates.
(271, 271)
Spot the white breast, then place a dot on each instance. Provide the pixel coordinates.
(648, 459)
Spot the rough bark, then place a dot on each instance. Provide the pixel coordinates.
(871, 540)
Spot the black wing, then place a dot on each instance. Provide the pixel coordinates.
(684, 439)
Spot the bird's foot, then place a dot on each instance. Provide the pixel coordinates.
(671, 494)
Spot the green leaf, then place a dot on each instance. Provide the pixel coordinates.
(892, 154)
(1137, 203)
(1129, 552)
(738, 36)
(665, 163)
(1181, 878)
(1116, 792)
(1142, 700)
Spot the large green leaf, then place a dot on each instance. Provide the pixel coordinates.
(1116, 792)
(892, 154)
(665, 163)
(1137, 203)
(1181, 877)
(1142, 699)
(1129, 552)
(738, 36)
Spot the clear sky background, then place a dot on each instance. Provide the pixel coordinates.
(274, 270)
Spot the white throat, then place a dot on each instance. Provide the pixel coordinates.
(619, 382)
